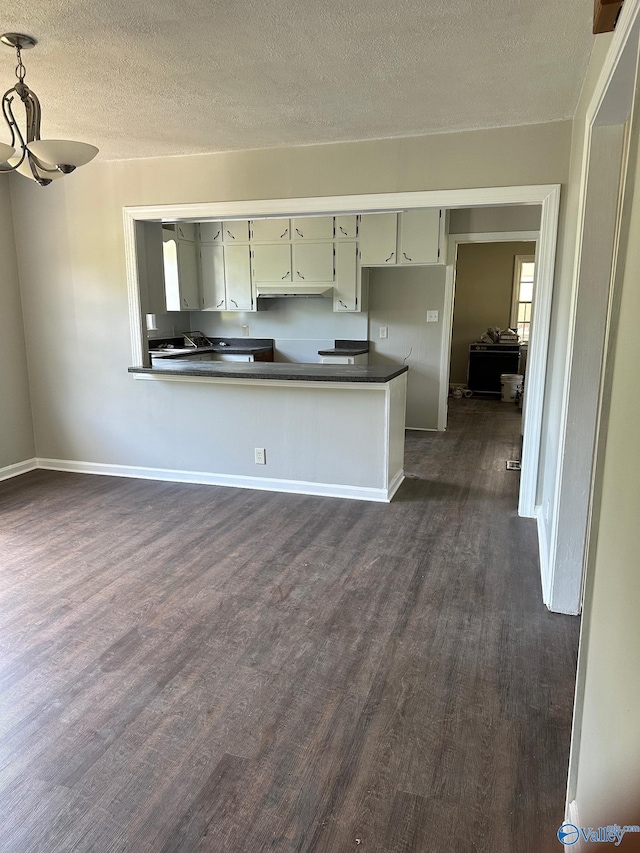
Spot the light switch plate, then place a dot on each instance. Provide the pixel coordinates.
(432, 316)
(384, 331)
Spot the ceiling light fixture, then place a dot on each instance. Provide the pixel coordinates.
(43, 160)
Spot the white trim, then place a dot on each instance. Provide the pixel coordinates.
(268, 484)
(543, 549)
(17, 468)
(394, 485)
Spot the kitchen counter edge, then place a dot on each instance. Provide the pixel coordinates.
(352, 373)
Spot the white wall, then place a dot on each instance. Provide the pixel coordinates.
(480, 220)
(16, 430)
(606, 738)
(399, 299)
(72, 269)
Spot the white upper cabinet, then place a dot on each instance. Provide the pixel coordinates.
(312, 228)
(212, 277)
(270, 230)
(186, 231)
(237, 269)
(377, 239)
(419, 236)
(272, 262)
(346, 227)
(312, 261)
(236, 231)
(180, 273)
(225, 274)
(346, 291)
(210, 232)
(188, 276)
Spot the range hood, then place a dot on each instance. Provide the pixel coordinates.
(290, 289)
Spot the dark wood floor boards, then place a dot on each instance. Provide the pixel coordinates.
(186, 668)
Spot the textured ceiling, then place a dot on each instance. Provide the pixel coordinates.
(142, 78)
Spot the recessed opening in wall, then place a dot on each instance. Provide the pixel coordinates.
(269, 215)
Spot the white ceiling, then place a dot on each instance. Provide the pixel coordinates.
(142, 78)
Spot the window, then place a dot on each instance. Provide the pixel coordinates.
(523, 280)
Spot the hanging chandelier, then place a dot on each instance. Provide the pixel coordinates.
(43, 160)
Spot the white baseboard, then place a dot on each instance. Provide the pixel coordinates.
(18, 468)
(395, 484)
(543, 548)
(296, 487)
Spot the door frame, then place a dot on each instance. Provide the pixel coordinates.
(536, 358)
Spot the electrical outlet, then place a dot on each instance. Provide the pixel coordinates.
(245, 331)
(261, 456)
(384, 331)
(432, 316)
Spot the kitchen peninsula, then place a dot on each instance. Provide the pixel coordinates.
(303, 428)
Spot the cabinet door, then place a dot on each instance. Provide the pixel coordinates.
(272, 263)
(212, 277)
(170, 268)
(210, 232)
(236, 231)
(186, 231)
(151, 271)
(270, 230)
(188, 276)
(345, 293)
(312, 228)
(419, 237)
(377, 238)
(237, 267)
(313, 262)
(346, 227)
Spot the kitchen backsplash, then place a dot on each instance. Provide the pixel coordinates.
(300, 327)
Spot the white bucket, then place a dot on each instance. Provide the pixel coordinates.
(511, 383)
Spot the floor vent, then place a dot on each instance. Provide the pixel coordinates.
(513, 465)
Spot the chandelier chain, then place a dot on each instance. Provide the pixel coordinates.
(21, 71)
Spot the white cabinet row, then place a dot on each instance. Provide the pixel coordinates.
(279, 230)
(217, 266)
(229, 273)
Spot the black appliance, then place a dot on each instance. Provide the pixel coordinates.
(487, 362)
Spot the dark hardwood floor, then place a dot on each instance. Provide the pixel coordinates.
(197, 669)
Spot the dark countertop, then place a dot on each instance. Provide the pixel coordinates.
(277, 370)
(232, 346)
(346, 348)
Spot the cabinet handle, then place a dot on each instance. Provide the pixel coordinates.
(220, 303)
(218, 234)
(299, 274)
(286, 275)
(230, 234)
(386, 260)
(234, 302)
(284, 233)
(406, 257)
(185, 302)
(342, 303)
(343, 231)
(298, 232)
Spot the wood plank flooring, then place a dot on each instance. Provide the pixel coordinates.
(190, 669)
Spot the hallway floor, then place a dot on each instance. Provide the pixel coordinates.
(199, 670)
